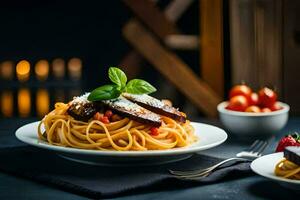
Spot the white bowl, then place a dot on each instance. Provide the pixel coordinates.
(246, 123)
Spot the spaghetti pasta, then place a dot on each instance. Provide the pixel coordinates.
(287, 169)
(61, 129)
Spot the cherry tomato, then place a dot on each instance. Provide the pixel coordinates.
(104, 120)
(108, 113)
(238, 103)
(253, 99)
(267, 97)
(266, 110)
(154, 131)
(254, 109)
(243, 90)
(275, 106)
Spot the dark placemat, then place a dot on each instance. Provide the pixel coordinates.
(99, 182)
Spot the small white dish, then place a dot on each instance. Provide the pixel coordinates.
(249, 124)
(265, 166)
(209, 137)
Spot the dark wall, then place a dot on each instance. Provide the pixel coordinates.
(86, 29)
(89, 30)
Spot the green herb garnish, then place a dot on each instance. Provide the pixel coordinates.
(138, 86)
(119, 80)
(104, 92)
(118, 77)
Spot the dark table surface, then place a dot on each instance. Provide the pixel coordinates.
(253, 187)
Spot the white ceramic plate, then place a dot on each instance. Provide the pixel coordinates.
(265, 166)
(209, 136)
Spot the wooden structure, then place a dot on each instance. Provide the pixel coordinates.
(153, 32)
(265, 46)
(256, 42)
(211, 37)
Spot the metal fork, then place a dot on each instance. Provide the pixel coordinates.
(254, 151)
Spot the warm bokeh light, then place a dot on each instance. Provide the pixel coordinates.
(42, 70)
(23, 70)
(24, 102)
(58, 68)
(75, 68)
(7, 103)
(7, 70)
(42, 102)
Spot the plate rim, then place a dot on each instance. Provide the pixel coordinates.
(150, 153)
(277, 156)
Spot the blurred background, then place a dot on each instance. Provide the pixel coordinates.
(192, 51)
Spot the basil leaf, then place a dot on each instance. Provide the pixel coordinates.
(104, 92)
(138, 86)
(117, 76)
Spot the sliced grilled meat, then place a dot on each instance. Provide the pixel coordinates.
(292, 153)
(82, 109)
(133, 111)
(156, 106)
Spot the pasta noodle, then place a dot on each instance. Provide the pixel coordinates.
(125, 134)
(287, 169)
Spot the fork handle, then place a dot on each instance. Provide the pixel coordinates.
(212, 168)
(209, 169)
(225, 161)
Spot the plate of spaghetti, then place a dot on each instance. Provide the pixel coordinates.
(120, 123)
(280, 167)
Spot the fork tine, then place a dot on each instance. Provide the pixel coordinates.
(255, 150)
(262, 148)
(257, 146)
(253, 145)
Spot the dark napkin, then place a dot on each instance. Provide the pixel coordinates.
(99, 182)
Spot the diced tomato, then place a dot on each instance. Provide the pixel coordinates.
(98, 116)
(104, 120)
(108, 113)
(101, 118)
(154, 131)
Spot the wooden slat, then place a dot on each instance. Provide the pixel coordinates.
(172, 67)
(182, 42)
(176, 8)
(211, 45)
(243, 66)
(132, 61)
(291, 54)
(152, 16)
(256, 44)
